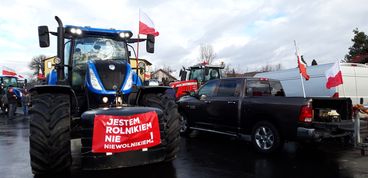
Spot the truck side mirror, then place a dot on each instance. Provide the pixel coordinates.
(150, 44)
(43, 36)
(203, 97)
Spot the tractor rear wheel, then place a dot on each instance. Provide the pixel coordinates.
(169, 123)
(50, 134)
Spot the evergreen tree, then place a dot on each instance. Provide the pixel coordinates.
(360, 46)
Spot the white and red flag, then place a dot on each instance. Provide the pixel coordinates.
(334, 76)
(302, 67)
(146, 25)
(7, 71)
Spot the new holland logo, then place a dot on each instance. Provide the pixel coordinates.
(112, 67)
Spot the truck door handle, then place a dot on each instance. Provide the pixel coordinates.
(231, 102)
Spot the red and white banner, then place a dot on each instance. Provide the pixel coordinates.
(125, 133)
(302, 67)
(7, 71)
(334, 76)
(146, 25)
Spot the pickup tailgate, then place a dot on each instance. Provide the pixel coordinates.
(331, 117)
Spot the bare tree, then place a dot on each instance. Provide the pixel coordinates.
(270, 67)
(167, 69)
(207, 54)
(37, 64)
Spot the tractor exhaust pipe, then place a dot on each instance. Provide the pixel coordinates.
(60, 49)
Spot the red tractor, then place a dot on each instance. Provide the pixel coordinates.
(198, 75)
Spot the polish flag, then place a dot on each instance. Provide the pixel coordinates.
(7, 71)
(146, 25)
(302, 67)
(334, 76)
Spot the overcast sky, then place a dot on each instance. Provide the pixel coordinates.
(246, 34)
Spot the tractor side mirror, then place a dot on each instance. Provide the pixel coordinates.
(150, 44)
(43, 36)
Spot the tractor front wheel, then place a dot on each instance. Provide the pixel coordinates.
(169, 123)
(50, 134)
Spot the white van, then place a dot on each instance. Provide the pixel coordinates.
(355, 78)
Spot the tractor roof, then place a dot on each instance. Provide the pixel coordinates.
(204, 65)
(89, 31)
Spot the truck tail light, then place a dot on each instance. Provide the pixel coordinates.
(306, 114)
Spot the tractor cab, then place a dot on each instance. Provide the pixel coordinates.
(198, 75)
(204, 72)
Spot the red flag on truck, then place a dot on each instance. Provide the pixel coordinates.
(146, 25)
(334, 76)
(302, 67)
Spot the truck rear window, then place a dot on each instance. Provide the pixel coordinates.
(264, 88)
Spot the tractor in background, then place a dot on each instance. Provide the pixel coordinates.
(198, 75)
(91, 92)
(5, 82)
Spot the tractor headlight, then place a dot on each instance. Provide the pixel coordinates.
(105, 99)
(76, 31)
(95, 84)
(129, 82)
(125, 34)
(120, 100)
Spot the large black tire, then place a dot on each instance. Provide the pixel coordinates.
(50, 134)
(266, 138)
(169, 123)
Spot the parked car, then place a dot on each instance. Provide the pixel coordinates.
(257, 110)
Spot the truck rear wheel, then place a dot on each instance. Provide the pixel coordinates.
(169, 124)
(266, 138)
(50, 134)
(184, 125)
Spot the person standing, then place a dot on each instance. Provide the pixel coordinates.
(25, 102)
(12, 102)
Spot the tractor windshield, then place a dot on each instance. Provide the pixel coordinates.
(200, 75)
(98, 49)
(196, 74)
(9, 81)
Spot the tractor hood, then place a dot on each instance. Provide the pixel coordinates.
(108, 76)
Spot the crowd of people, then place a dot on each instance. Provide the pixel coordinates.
(10, 100)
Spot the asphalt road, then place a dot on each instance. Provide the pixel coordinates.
(201, 155)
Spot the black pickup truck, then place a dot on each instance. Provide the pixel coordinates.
(257, 110)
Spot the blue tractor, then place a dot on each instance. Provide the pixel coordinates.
(93, 94)
(5, 82)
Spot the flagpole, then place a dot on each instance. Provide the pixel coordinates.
(136, 59)
(343, 86)
(301, 77)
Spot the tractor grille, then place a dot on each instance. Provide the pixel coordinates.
(110, 77)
